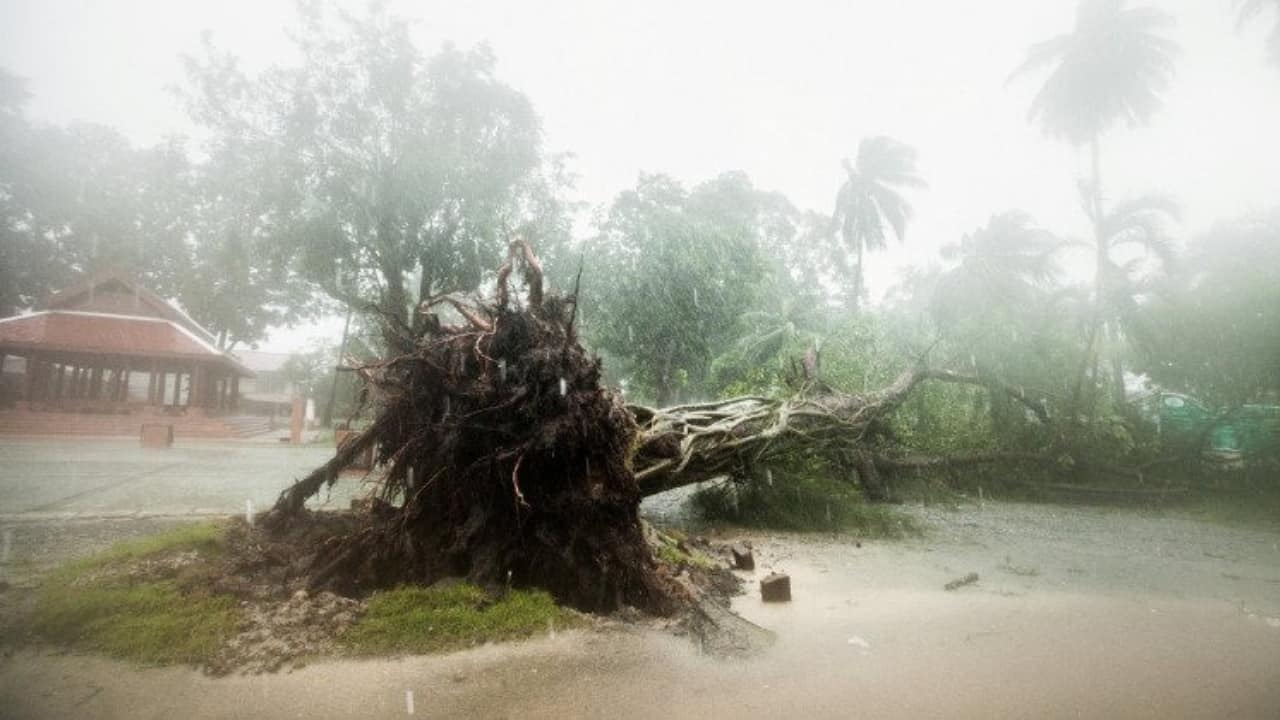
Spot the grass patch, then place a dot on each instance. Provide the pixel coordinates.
(148, 622)
(205, 538)
(801, 502)
(443, 617)
(668, 550)
(92, 604)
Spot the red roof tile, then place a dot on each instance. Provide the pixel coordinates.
(105, 334)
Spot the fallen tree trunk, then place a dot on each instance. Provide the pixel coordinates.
(693, 443)
(508, 463)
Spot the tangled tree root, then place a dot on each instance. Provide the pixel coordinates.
(507, 463)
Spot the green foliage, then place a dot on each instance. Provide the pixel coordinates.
(1216, 322)
(669, 551)
(448, 616)
(806, 496)
(671, 272)
(381, 175)
(80, 198)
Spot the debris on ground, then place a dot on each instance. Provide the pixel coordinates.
(859, 641)
(776, 588)
(1019, 570)
(958, 583)
(743, 559)
(721, 633)
(272, 635)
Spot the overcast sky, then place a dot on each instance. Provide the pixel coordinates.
(780, 90)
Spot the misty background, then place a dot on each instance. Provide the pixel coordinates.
(780, 92)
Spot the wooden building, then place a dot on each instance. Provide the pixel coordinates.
(109, 346)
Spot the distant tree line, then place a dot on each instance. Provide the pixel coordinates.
(371, 176)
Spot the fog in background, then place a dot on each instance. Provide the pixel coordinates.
(781, 91)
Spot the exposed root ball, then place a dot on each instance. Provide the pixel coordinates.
(508, 463)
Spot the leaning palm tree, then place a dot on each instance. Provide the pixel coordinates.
(1249, 9)
(1111, 68)
(871, 198)
(1138, 246)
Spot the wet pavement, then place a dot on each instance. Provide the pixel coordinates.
(78, 478)
(1078, 612)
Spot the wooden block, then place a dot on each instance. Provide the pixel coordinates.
(742, 557)
(776, 588)
(157, 435)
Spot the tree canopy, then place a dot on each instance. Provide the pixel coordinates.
(390, 176)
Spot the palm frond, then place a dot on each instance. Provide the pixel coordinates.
(1112, 67)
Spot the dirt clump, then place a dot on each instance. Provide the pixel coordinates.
(272, 635)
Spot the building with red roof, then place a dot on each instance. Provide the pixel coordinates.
(109, 346)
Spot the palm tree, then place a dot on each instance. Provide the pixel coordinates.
(871, 198)
(1112, 67)
(1141, 229)
(1249, 9)
(1003, 263)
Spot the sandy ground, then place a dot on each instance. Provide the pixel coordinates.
(1078, 613)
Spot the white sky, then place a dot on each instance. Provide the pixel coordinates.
(780, 90)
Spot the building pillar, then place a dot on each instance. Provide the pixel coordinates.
(59, 379)
(197, 395)
(32, 377)
(177, 388)
(95, 383)
(162, 381)
(234, 400)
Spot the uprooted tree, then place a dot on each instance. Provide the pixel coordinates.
(507, 461)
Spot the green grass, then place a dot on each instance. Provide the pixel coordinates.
(147, 622)
(87, 605)
(668, 550)
(430, 619)
(205, 538)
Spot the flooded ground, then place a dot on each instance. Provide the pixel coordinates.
(57, 479)
(1078, 612)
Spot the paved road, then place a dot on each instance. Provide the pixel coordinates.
(48, 478)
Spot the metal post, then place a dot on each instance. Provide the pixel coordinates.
(327, 419)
